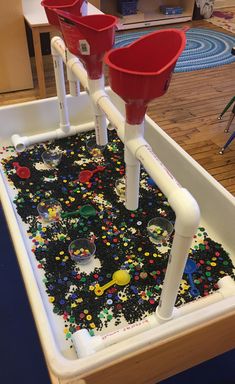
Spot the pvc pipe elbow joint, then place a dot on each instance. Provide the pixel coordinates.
(20, 142)
(226, 286)
(187, 212)
(85, 344)
(56, 40)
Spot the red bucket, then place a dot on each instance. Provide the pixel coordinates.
(88, 37)
(76, 7)
(142, 71)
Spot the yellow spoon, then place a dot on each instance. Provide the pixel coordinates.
(120, 277)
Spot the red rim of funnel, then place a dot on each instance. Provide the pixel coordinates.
(137, 42)
(88, 37)
(142, 71)
(86, 21)
(51, 6)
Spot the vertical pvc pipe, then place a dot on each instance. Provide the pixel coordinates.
(175, 268)
(99, 116)
(132, 132)
(61, 92)
(74, 85)
(187, 220)
(113, 114)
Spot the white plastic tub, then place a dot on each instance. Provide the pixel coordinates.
(151, 355)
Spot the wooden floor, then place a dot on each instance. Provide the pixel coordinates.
(188, 113)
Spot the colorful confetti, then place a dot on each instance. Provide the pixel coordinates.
(120, 236)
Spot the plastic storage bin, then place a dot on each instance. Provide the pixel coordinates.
(127, 7)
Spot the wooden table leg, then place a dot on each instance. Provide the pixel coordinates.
(39, 62)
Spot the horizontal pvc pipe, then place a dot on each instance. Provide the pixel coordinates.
(184, 205)
(99, 96)
(137, 149)
(86, 345)
(226, 289)
(22, 142)
(155, 168)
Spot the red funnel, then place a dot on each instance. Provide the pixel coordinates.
(142, 71)
(74, 6)
(88, 37)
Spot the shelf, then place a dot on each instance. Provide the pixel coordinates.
(150, 19)
(148, 13)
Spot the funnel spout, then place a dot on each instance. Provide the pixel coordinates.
(135, 112)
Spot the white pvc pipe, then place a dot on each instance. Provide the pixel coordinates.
(22, 142)
(155, 168)
(185, 206)
(113, 114)
(86, 345)
(95, 86)
(61, 91)
(137, 149)
(75, 66)
(175, 269)
(187, 212)
(70, 368)
(74, 85)
(76, 69)
(132, 166)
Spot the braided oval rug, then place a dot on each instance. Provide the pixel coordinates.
(205, 48)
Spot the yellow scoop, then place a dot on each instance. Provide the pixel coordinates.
(120, 277)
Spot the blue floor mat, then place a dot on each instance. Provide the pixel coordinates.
(205, 48)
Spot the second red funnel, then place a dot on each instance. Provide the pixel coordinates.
(88, 37)
(142, 71)
(76, 7)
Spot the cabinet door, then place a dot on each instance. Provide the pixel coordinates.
(15, 68)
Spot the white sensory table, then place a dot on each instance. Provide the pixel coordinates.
(154, 354)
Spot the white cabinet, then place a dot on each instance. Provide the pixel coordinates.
(148, 12)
